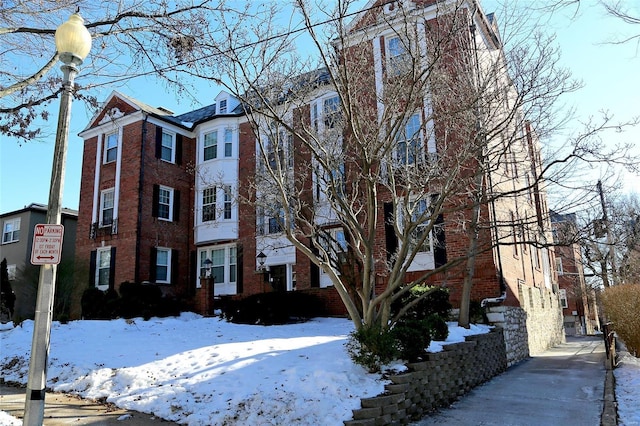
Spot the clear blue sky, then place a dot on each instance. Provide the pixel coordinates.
(610, 74)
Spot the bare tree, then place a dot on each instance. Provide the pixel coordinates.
(130, 39)
(342, 161)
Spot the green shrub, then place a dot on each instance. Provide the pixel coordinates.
(437, 326)
(621, 305)
(135, 300)
(372, 347)
(412, 338)
(271, 308)
(436, 302)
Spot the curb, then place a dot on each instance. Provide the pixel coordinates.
(610, 408)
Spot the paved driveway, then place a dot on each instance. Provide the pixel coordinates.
(563, 386)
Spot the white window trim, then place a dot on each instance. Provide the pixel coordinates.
(97, 276)
(168, 265)
(207, 253)
(172, 160)
(228, 131)
(16, 227)
(217, 144)
(171, 199)
(102, 195)
(106, 148)
(564, 302)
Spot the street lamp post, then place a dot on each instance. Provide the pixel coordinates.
(73, 43)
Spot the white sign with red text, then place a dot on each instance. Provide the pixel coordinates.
(47, 244)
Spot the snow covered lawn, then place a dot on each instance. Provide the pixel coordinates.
(627, 376)
(205, 371)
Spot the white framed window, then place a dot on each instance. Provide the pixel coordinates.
(224, 264)
(228, 143)
(280, 148)
(326, 112)
(209, 204)
(168, 148)
(106, 207)
(409, 142)
(211, 146)
(420, 216)
(559, 266)
(222, 108)
(165, 203)
(11, 231)
(563, 298)
(163, 265)
(270, 221)
(111, 148)
(103, 267)
(397, 56)
(227, 202)
(334, 243)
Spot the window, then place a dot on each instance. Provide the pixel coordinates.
(270, 221)
(103, 268)
(224, 264)
(168, 143)
(331, 110)
(334, 243)
(279, 148)
(276, 221)
(559, 266)
(106, 207)
(514, 235)
(227, 202)
(163, 265)
(228, 143)
(111, 148)
(209, 204)
(397, 56)
(165, 203)
(211, 146)
(222, 109)
(419, 217)
(408, 141)
(11, 231)
(563, 298)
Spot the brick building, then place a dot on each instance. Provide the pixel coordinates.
(160, 195)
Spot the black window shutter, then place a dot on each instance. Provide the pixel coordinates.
(174, 267)
(176, 205)
(158, 142)
(155, 201)
(193, 273)
(92, 268)
(440, 246)
(315, 275)
(112, 269)
(391, 238)
(152, 264)
(239, 273)
(178, 149)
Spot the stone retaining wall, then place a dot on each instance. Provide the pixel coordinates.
(435, 382)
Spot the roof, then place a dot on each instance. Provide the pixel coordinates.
(41, 208)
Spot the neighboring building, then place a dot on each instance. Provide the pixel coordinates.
(17, 239)
(159, 198)
(578, 301)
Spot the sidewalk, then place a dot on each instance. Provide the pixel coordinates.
(61, 409)
(562, 386)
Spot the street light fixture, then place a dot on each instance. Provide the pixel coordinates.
(73, 43)
(207, 267)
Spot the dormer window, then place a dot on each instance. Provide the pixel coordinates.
(222, 108)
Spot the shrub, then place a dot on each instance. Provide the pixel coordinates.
(372, 347)
(437, 326)
(412, 338)
(621, 305)
(272, 308)
(135, 300)
(436, 302)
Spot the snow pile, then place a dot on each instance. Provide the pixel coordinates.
(627, 375)
(197, 371)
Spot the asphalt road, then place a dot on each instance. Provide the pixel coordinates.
(563, 386)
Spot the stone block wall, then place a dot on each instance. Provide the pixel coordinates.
(436, 382)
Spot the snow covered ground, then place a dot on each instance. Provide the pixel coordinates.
(627, 376)
(205, 371)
